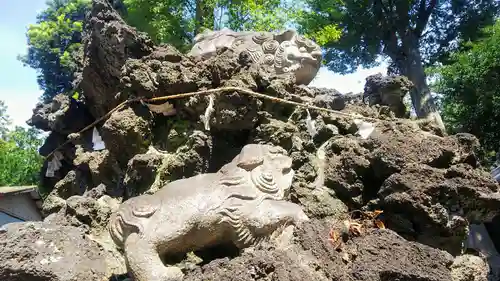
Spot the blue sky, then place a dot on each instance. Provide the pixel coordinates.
(18, 86)
(20, 91)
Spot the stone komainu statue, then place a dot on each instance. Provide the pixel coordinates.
(286, 52)
(241, 203)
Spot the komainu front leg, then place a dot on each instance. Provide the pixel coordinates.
(144, 262)
(271, 214)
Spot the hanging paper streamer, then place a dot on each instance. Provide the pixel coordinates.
(97, 140)
(208, 113)
(54, 164)
(365, 129)
(167, 109)
(320, 164)
(311, 125)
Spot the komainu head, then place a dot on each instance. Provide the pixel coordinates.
(283, 52)
(270, 168)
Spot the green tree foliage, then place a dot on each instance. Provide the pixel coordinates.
(470, 86)
(54, 43)
(177, 21)
(4, 119)
(263, 15)
(412, 33)
(20, 162)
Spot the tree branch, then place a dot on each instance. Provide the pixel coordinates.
(403, 22)
(389, 15)
(423, 16)
(385, 16)
(389, 39)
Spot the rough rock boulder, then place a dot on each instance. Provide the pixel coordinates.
(38, 251)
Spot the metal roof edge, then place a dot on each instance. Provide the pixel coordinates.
(13, 190)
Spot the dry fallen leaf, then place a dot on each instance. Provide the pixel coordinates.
(353, 227)
(365, 129)
(373, 214)
(167, 109)
(378, 212)
(334, 238)
(310, 125)
(379, 224)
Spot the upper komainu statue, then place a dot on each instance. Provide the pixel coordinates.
(241, 203)
(286, 52)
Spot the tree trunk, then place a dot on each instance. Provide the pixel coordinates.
(412, 67)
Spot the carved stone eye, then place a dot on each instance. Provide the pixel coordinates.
(254, 53)
(144, 210)
(264, 181)
(237, 43)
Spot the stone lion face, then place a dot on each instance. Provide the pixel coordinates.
(284, 52)
(270, 168)
(301, 56)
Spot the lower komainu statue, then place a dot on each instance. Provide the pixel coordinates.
(242, 203)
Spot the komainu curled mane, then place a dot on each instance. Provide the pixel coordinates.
(283, 52)
(241, 203)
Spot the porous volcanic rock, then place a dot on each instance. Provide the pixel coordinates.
(469, 268)
(378, 255)
(389, 91)
(429, 186)
(63, 115)
(48, 252)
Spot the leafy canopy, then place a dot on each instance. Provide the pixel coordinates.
(382, 27)
(54, 44)
(20, 162)
(470, 85)
(177, 21)
(412, 33)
